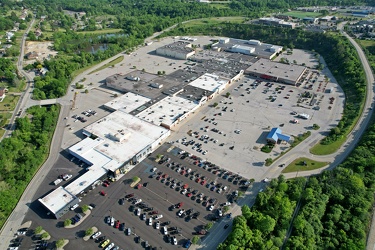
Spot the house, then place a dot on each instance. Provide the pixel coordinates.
(38, 32)
(31, 55)
(276, 135)
(2, 93)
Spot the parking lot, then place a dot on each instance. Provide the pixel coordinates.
(185, 192)
(236, 129)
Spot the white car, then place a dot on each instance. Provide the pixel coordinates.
(138, 212)
(174, 240)
(159, 216)
(157, 225)
(210, 208)
(74, 207)
(110, 246)
(226, 204)
(149, 221)
(112, 221)
(96, 235)
(181, 212)
(154, 170)
(220, 213)
(137, 201)
(165, 230)
(184, 191)
(108, 220)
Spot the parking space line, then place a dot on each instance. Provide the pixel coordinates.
(158, 195)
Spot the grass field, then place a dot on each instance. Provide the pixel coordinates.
(366, 43)
(9, 102)
(215, 20)
(297, 165)
(302, 14)
(111, 63)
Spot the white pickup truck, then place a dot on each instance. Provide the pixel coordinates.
(57, 182)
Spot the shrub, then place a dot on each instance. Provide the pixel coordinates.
(269, 161)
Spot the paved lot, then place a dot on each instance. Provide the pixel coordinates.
(156, 194)
(239, 152)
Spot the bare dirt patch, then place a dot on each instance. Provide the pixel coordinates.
(42, 49)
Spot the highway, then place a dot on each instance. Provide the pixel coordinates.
(217, 234)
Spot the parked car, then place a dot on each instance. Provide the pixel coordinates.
(128, 231)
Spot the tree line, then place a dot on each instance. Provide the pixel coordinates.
(22, 154)
(264, 225)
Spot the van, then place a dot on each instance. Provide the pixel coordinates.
(57, 182)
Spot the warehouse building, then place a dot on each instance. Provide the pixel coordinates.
(278, 72)
(247, 47)
(178, 50)
(277, 22)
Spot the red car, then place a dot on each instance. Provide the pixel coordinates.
(179, 205)
(117, 225)
(197, 180)
(203, 182)
(164, 176)
(189, 194)
(159, 177)
(183, 172)
(185, 186)
(105, 184)
(154, 212)
(129, 195)
(103, 193)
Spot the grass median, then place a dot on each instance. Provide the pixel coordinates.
(304, 164)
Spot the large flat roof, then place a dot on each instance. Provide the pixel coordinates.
(127, 102)
(125, 135)
(289, 72)
(57, 199)
(261, 49)
(168, 110)
(209, 82)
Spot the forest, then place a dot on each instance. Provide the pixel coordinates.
(22, 154)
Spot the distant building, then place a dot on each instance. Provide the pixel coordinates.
(2, 93)
(276, 135)
(310, 19)
(275, 71)
(178, 50)
(32, 55)
(277, 22)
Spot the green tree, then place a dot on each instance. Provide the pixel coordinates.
(208, 226)
(89, 231)
(226, 209)
(38, 230)
(227, 95)
(67, 222)
(215, 104)
(195, 240)
(85, 208)
(268, 161)
(45, 235)
(60, 243)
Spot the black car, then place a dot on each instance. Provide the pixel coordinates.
(226, 226)
(121, 201)
(137, 239)
(166, 223)
(122, 227)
